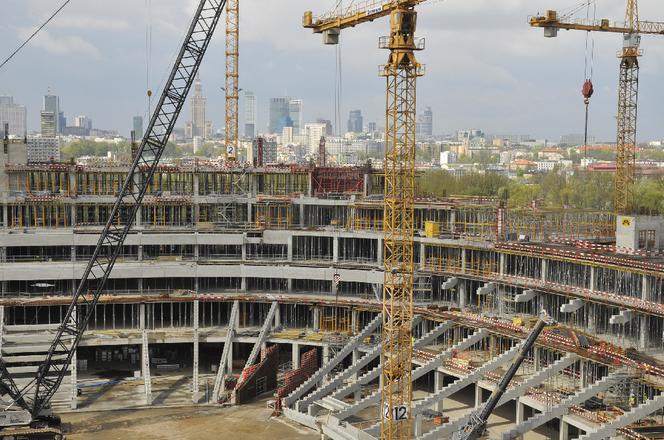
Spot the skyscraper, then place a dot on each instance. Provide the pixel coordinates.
(198, 126)
(249, 114)
(296, 115)
(52, 105)
(84, 122)
(314, 132)
(328, 125)
(13, 114)
(355, 121)
(425, 123)
(49, 124)
(279, 115)
(137, 127)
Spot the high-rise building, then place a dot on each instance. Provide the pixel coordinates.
(328, 125)
(313, 133)
(49, 124)
(83, 121)
(52, 105)
(62, 122)
(13, 114)
(249, 114)
(295, 114)
(372, 127)
(355, 122)
(425, 123)
(279, 116)
(137, 127)
(198, 126)
(43, 149)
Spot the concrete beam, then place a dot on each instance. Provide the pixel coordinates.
(572, 306)
(450, 283)
(486, 289)
(525, 296)
(623, 317)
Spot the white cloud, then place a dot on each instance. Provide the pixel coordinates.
(61, 45)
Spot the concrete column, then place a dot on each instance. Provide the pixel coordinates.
(536, 357)
(295, 356)
(289, 284)
(2, 325)
(290, 248)
(452, 222)
(422, 256)
(478, 395)
(438, 384)
(590, 308)
(358, 392)
(244, 247)
(229, 365)
(277, 317)
(197, 251)
(583, 373)
(140, 251)
(250, 212)
(418, 425)
(520, 408)
(316, 312)
(379, 252)
(195, 384)
(140, 286)
(503, 264)
(366, 187)
(302, 210)
(5, 216)
(544, 266)
(335, 249)
(72, 214)
(463, 260)
(196, 185)
(462, 294)
(593, 278)
(354, 316)
(72, 252)
(3, 254)
(243, 284)
(73, 403)
(644, 320)
(564, 430)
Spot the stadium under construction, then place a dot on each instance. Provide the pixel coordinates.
(243, 282)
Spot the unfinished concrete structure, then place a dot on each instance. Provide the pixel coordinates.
(224, 263)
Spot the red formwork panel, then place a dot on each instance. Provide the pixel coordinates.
(246, 389)
(294, 378)
(337, 180)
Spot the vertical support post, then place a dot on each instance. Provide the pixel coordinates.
(644, 320)
(379, 252)
(335, 249)
(316, 312)
(358, 392)
(462, 294)
(478, 395)
(74, 370)
(438, 384)
(295, 356)
(195, 384)
(564, 430)
(520, 410)
(544, 269)
(145, 356)
(290, 248)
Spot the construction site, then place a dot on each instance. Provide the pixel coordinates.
(335, 300)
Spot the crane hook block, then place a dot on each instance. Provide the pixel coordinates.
(587, 90)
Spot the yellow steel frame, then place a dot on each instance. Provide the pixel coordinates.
(401, 73)
(232, 76)
(627, 89)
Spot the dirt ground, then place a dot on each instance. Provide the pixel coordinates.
(187, 423)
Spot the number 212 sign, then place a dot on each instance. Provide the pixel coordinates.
(398, 413)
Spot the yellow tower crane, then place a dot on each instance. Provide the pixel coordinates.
(401, 72)
(628, 87)
(232, 77)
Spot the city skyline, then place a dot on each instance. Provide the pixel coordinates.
(517, 87)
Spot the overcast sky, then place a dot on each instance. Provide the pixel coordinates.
(485, 67)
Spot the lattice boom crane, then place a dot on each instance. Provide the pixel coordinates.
(628, 88)
(401, 72)
(33, 400)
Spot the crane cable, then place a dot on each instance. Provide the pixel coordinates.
(148, 51)
(589, 61)
(48, 20)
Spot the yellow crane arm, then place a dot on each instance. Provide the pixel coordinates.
(551, 21)
(354, 15)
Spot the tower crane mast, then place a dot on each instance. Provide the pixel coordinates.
(232, 77)
(401, 72)
(628, 86)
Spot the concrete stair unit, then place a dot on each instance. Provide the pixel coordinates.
(24, 348)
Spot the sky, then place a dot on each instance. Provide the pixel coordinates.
(485, 67)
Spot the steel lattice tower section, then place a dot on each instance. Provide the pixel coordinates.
(628, 92)
(232, 76)
(401, 73)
